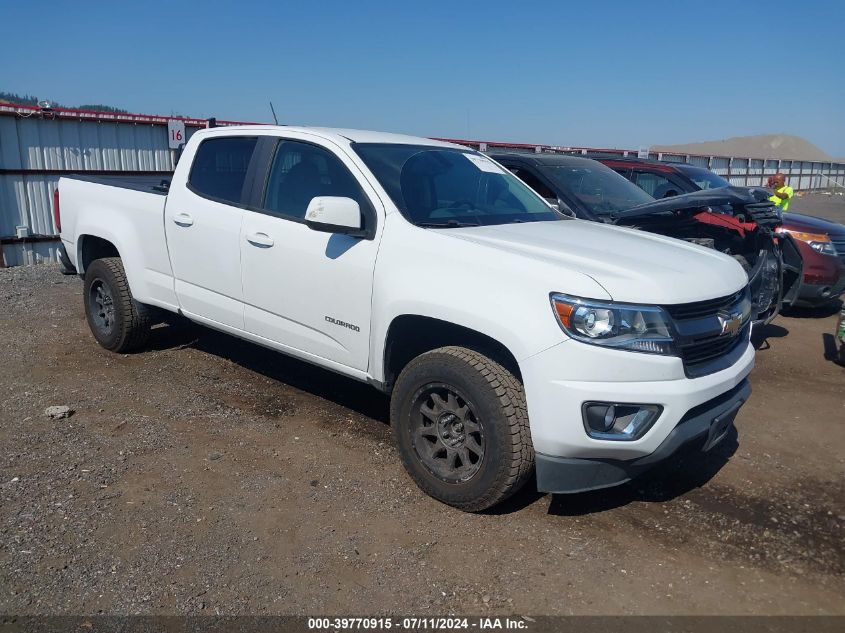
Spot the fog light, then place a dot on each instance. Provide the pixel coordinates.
(613, 421)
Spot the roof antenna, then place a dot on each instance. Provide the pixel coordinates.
(273, 110)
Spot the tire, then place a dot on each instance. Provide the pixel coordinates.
(484, 421)
(117, 321)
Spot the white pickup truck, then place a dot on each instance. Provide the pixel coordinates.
(509, 337)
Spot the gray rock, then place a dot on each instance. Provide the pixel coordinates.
(58, 412)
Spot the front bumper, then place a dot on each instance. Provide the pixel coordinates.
(707, 425)
(818, 294)
(823, 277)
(560, 379)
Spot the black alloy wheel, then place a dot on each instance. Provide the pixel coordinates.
(446, 434)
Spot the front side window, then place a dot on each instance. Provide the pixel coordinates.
(220, 166)
(448, 187)
(535, 183)
(302, 172)
(600, 189)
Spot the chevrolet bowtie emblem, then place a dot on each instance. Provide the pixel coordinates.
(731, 323)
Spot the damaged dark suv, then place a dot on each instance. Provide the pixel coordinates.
(737, 221)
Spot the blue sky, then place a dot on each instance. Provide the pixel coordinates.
(618, 74)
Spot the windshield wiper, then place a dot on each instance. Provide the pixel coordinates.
(447, 224)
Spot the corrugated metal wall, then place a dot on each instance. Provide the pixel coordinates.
(36, 151)
(37, 147)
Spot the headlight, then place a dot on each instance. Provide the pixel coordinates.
(630, 327)
(826, 248)
(819, 242)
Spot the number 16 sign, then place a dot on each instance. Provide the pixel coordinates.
(175, 134)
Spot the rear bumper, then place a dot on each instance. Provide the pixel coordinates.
(706, 425)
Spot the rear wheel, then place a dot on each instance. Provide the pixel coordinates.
(117, 321)
(461, 426)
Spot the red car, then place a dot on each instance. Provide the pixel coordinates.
(820, 242)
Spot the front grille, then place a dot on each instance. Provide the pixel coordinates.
(839, 244)
(710, 348)
(699, 309)
(701, 344)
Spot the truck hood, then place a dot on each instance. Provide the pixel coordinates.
(631, 265)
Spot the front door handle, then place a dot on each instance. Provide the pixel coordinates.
(183, 219)
(261, 240)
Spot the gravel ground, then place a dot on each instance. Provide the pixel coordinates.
(207, 475)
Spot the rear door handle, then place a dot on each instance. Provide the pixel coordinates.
(183, 219)
(261, 240)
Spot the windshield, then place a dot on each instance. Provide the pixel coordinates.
(597, 187)
(444, 187)
(704, 178)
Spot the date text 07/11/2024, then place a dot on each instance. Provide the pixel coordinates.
(418, 623)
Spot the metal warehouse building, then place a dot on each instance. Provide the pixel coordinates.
(38, 146)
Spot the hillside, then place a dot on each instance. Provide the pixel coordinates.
(16, 99)
(784, 146)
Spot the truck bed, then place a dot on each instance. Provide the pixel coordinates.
(127, 212)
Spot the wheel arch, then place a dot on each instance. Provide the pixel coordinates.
(92, 247)
(410, 335)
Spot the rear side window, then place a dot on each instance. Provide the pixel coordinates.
(656, 185)
(219, 168)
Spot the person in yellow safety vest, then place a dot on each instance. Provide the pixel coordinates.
(782, 192)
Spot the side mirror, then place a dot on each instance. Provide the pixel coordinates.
(332, 214)
(560, 205)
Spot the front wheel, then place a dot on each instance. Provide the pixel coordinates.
(117, 321)
(461, 427)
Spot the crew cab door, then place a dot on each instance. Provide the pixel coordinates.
(202, 221)
(307, 290)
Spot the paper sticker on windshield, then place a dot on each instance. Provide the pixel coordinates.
(484, 164)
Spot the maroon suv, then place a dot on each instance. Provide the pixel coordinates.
(820, 242)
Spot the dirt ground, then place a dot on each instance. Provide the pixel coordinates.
(828, 207)
(208, 475)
